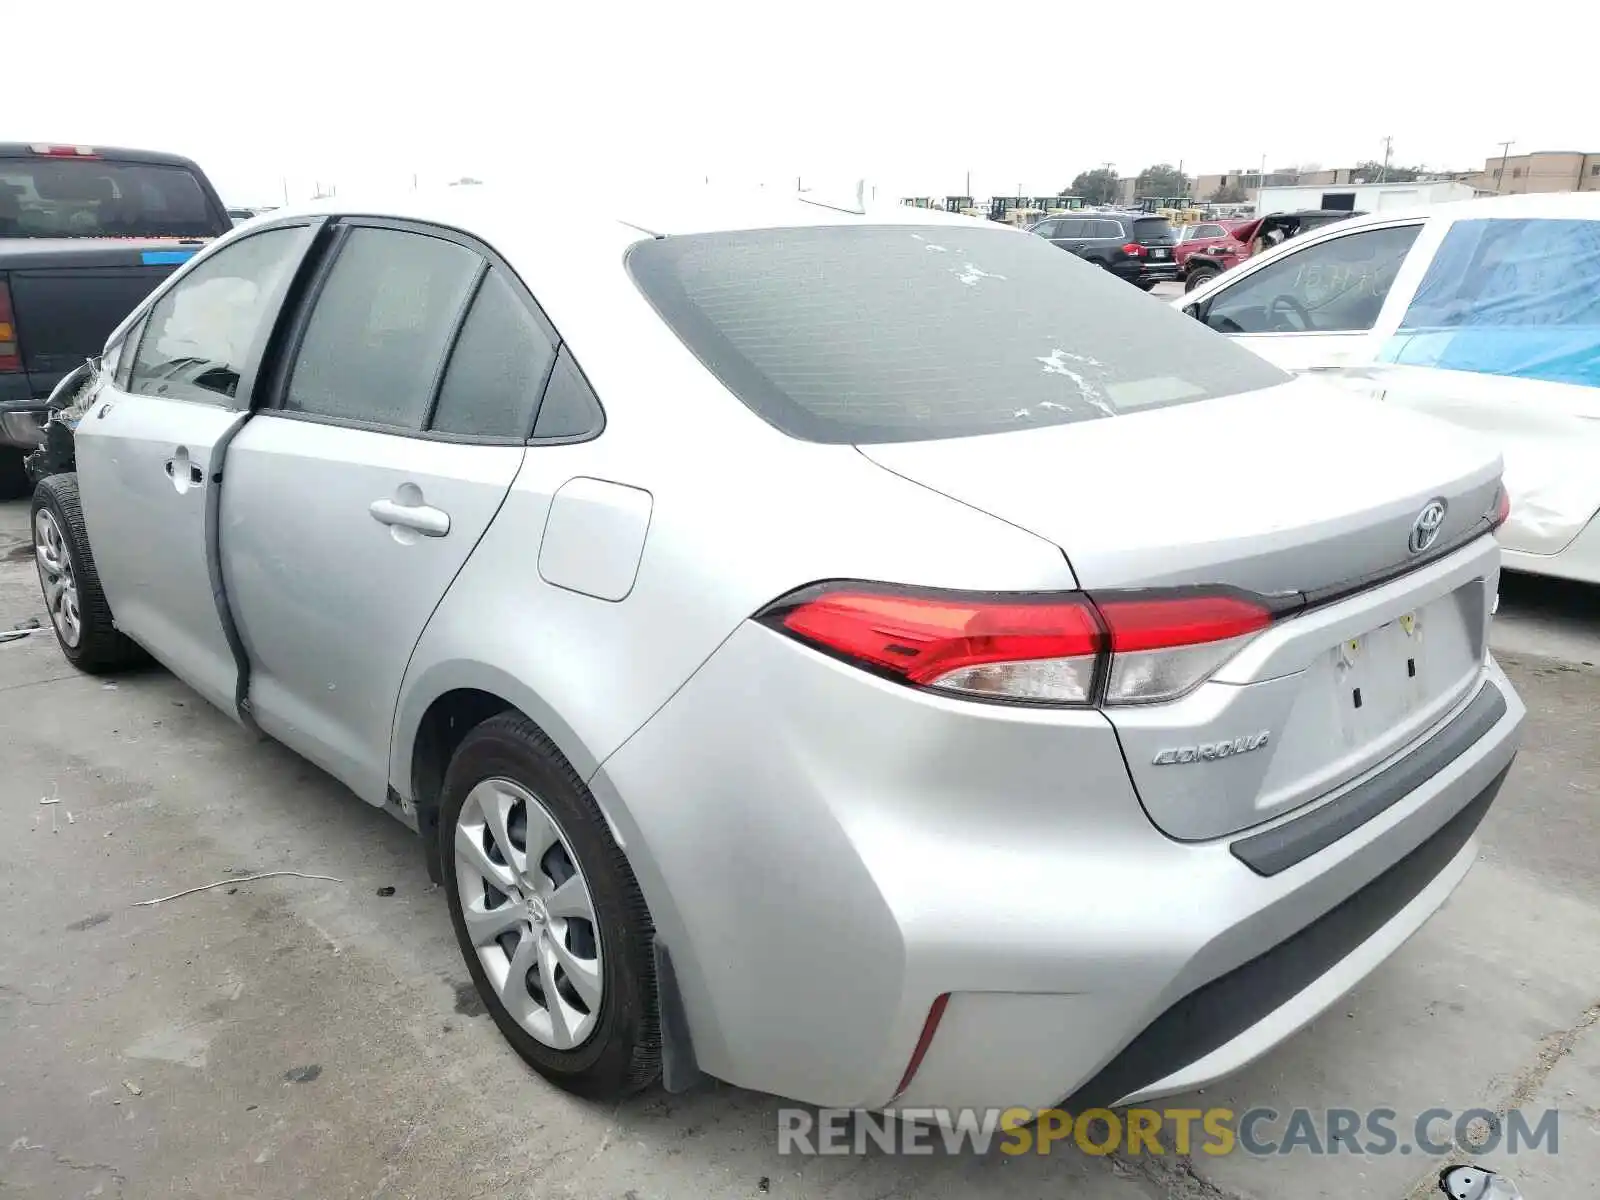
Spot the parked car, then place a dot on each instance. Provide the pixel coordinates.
(1484, 312)
(1133, 247)
(85, 233)
(1204, 236)
(1247, 238)
(755, 618)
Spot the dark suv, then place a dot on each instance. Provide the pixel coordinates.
(1133, 246)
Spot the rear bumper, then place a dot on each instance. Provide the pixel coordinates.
(1158, 272)
(22, 420)
(825, 854)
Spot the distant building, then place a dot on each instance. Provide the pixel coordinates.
(1249, 182)
(1541, 171)
(1359, 197)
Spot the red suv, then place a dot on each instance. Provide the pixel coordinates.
(1202, 237)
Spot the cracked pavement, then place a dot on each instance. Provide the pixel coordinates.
(293, 1037)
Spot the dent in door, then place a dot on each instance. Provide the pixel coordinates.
(594, 537)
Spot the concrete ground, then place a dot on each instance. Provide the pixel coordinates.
(306, 1038)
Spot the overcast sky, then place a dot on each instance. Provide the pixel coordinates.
(581, 95)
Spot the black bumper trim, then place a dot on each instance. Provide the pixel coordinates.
(1280, 848)
(1217, 1012)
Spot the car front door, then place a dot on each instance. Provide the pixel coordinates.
(1314, 306)
(391, 436)
(148, 452)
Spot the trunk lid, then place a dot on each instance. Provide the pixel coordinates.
(1296, 489)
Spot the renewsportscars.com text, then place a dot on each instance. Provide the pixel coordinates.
(1148, 1131)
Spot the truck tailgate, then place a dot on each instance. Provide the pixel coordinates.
(67, 295)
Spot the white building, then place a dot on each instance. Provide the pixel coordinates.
(1360, 197)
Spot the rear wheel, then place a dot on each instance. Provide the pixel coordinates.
(1199, 276)
(72, 594)
(13, 478)
(548, 915)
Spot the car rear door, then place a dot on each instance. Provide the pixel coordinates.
(148, 452)
(392, 435)
(1316, 305)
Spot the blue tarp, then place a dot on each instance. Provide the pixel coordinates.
(1519, 298)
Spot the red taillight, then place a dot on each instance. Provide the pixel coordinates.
(1133, 250)
(51, 151)
(10, 354)
(1057, 648)
(1502, 507)
(1160, 624)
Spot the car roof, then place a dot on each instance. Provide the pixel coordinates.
(105, 153)
(665, 213)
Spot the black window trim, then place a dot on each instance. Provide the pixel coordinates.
(273, 395)
(251, 370)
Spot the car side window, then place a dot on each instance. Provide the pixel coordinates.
(197, 337)
(1334, 286)
(1068, 229)
(498, 367)
(380, 328)
(1206, 231)
(570, 409)
(1047, 229)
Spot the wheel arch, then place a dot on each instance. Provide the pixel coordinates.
(437, 710)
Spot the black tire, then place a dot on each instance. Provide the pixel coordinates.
(14, 482)
(100, 649)
(622, 1055)
(1198, 276)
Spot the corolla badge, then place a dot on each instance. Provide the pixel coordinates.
(1425, 529)
(1210, 751)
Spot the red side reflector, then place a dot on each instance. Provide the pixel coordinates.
(929, 1028)
(1158, 624)
(921, 637)
(1133, 249)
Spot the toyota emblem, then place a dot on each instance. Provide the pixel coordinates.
(1425, 529)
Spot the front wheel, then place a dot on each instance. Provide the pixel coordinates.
(1198, 277)
(553, 926)
(71, 586)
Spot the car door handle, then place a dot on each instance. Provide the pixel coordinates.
(428, 521)
(197, 473)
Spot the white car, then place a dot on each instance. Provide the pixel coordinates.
(1485, 313)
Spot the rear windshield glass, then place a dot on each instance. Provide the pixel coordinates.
(863, 333)
(1153, 229)
(53, 197)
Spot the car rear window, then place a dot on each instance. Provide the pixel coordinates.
(1152, 229)
(868, 333)
(56, 197)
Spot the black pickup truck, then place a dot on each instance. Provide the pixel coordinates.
(85, 234)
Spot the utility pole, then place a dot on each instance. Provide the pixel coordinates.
(1388, 150)
(968, 192)
(1505, 153)
(284, 180)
